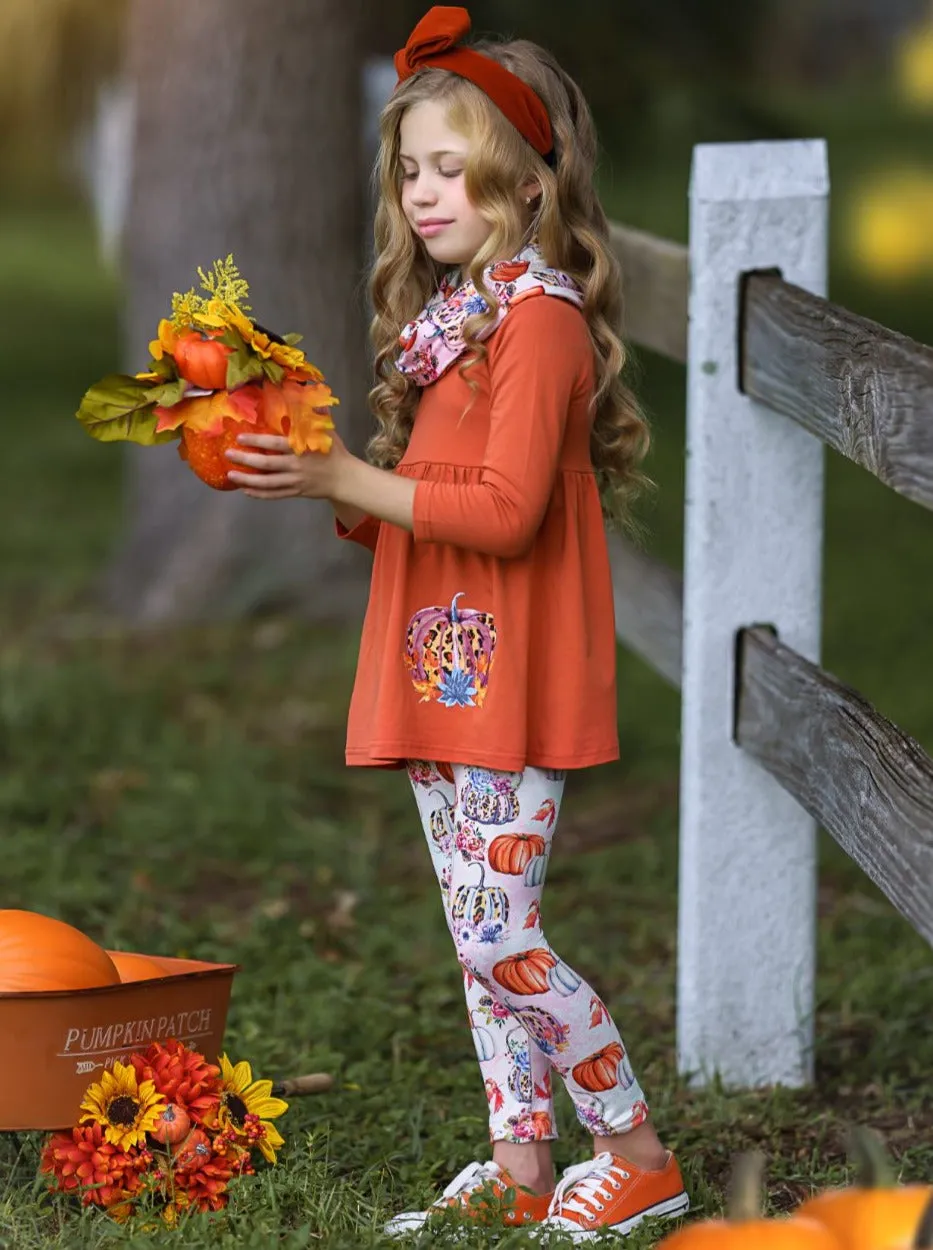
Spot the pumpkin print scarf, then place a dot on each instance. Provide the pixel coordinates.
(434, 340)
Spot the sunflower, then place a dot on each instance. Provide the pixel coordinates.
(125, 1109)
(164, 345)
(246, 1106)
(217, 315)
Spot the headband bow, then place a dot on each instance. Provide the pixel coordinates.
(435, 43)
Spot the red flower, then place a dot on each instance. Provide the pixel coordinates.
(201, 1173)
(183, 1076)
(83, 1157)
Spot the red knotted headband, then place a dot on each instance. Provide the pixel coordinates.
(434, 42)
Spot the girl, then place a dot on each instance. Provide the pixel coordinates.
(487, 661)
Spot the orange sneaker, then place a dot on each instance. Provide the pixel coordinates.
(609, 1192)
(488, 1180)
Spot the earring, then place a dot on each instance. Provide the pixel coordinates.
(527, 199)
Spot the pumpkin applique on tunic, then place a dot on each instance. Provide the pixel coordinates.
(449, 652)
(489, 636)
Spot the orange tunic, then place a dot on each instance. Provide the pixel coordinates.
(489, 638)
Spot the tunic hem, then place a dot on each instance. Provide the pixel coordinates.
(394, 755)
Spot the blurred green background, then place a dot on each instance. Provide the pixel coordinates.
(180, 788)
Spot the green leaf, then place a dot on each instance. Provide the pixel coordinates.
(119, 407)
(168, 393)
(231, 338)
(243, 366)
(165, 368)
(292, 339)
(273, 371)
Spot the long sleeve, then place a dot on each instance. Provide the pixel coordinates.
(365, 532)
(540, 356)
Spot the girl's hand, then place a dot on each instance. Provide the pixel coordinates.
(354, 488)
(283, 474)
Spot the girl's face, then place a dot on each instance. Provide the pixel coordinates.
(434, 198)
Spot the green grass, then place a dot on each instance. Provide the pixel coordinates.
(184, 792)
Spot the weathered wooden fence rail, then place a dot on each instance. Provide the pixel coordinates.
(771, 743)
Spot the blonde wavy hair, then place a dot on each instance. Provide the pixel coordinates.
(568, 223)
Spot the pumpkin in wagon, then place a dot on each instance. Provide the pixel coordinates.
(745, 1227)
(38, 952)
(133, 967)
(875, 1213)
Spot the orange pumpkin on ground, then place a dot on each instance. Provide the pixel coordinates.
(39, 953)
(746, 1228)
(202, 361)
(133, 967)
(875, 1213)
(600, 1071)
(188, 1155)
(525, 973)
(174, 1123)
(511, 853)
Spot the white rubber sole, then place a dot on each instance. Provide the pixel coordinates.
(407, 1222)
(669, 1209)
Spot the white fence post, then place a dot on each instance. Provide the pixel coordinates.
(752, 555)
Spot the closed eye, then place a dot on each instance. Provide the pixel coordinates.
(408, 175)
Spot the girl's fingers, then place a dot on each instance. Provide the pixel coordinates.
(275, 442)
(271, 482)
(271, 494)
(260, 460)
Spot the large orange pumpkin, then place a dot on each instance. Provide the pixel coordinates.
(526, 972)
(39, 953)
(923, 1239)
(133, 967)
(600, 1071)
(874, 1213)
(205, 452)
(511, 853)
(746, 1228)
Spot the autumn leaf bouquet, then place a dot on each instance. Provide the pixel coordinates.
(167, 1132)
(214, 373)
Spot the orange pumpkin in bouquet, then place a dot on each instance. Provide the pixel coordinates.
(214, 373)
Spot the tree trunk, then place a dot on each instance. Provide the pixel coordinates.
(247, 141)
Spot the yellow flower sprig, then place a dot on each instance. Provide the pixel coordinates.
(224, 286)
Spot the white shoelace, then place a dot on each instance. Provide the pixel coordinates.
(587, 1185)
(473, 1176)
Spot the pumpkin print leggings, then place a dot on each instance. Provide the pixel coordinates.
(490, 835)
